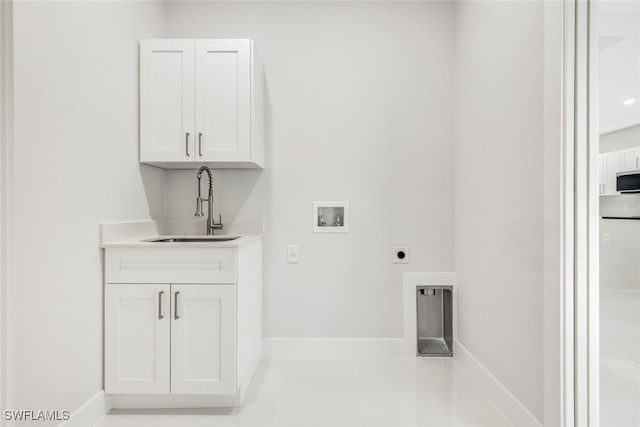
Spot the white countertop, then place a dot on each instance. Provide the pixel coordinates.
(144, 243)
(137, 234)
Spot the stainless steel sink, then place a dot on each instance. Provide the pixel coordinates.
(212, 239)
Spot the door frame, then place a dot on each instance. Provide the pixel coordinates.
(571, 215)
(581, 220)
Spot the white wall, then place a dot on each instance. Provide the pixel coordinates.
(75, 165)
(499, 191)
(620, 140)
(359, 109)
(6, 141)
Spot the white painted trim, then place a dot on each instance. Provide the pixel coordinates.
(568, 113)
(176, 402)
(593, 256)
(90, 413)
(332, 348)
(410, 281)
(585, 218)
(506, 402)
(559, 87)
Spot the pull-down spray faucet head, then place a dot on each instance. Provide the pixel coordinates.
(211, 223)
(199, 199)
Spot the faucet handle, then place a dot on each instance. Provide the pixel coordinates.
(199, 207)
(218, 225)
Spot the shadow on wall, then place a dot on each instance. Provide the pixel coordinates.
(154, 181)
(237, 193)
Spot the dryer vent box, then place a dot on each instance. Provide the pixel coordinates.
(435, 321)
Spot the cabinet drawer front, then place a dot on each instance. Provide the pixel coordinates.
(170, 265)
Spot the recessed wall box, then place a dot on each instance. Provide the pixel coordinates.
(330, 217)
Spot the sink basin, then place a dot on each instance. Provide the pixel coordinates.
(193, 239)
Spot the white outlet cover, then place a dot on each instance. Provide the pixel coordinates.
(397, 257)
(293, 254)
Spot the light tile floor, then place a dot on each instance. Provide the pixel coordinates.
(389, 392)
(620, 358)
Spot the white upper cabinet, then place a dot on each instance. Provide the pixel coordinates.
(201, 102)
(167, 122)
(631, 159)
(611, 164)
(223, 99)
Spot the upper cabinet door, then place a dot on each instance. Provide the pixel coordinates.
(203, 339)
(137, 334)
(167, 92)
(223, 100)
(631, 159)
(612, 164)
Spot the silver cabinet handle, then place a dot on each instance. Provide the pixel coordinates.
(175, 305)
(200, 143)
(187, 144)
(637, 158)
(160, 315)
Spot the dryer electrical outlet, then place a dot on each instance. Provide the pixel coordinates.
(401, 255)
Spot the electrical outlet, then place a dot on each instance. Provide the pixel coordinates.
(401, 255)
(293, 254)
(606, 239)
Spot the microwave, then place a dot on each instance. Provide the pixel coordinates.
(628, 182)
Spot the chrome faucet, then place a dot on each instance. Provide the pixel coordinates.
(211, 223)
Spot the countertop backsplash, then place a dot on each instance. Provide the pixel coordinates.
(620, 205)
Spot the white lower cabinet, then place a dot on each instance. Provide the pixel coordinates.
(170, 339)
(194, 339)
(137, 338)
(203, 339)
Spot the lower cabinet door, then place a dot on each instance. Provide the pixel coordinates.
(137, 338)
(203, 339)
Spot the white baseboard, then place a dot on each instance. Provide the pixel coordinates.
(89, 413)
(171, 401)
(506, 402)
(332, 348)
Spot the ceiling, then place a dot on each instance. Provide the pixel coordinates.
(619, 71)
